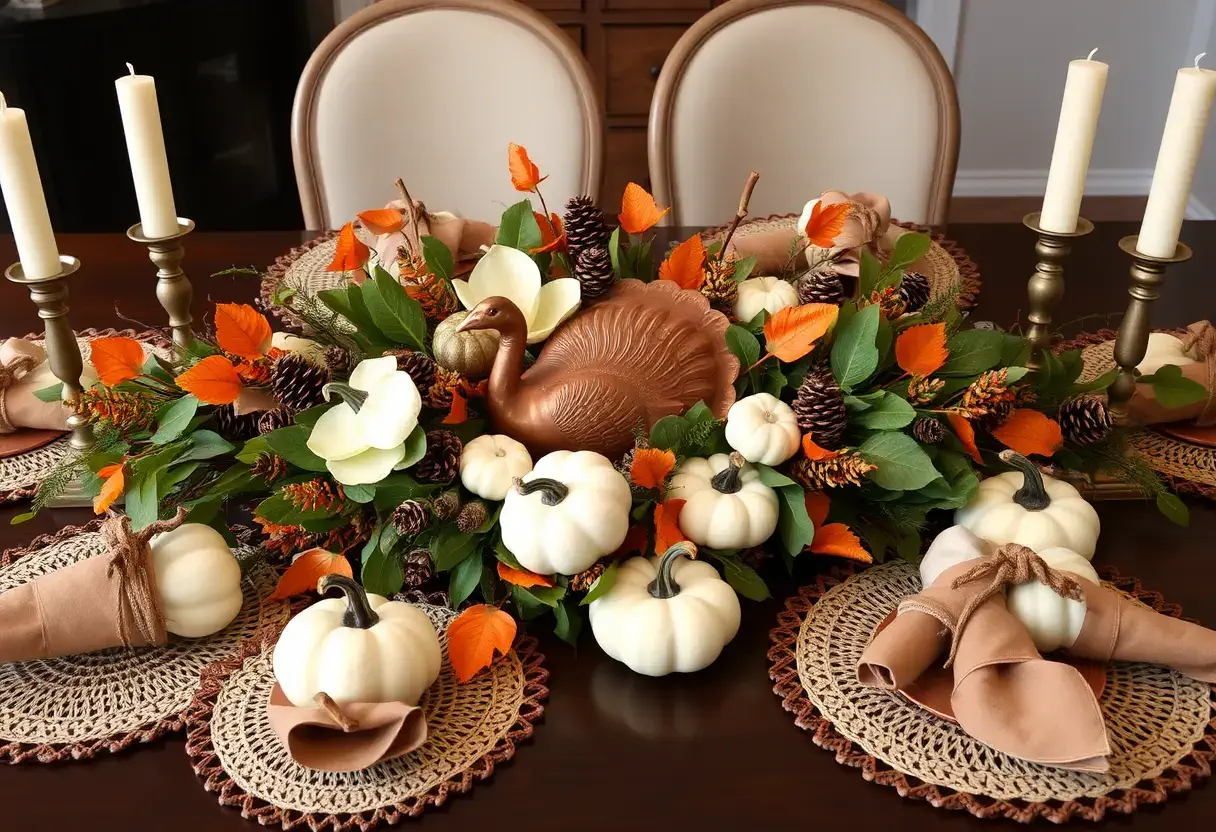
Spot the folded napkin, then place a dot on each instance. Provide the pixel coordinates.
(460, 235)
(24, 371)
(1199, 346)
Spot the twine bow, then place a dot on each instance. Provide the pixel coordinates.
(1012, 564)
(139, 604)
(1199, 344)
(12, 372)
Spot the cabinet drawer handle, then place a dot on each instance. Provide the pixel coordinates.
(655, 70)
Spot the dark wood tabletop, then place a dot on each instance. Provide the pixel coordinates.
(616, 751)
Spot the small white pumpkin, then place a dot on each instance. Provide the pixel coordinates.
(1026, 507)
(955, 545)
(666, 615)
(763, 294)
(727, 506)
(567, 513)
(1163, 349)
(364, 648)
(763, 428)
(197, 578)
(490, 463)
(1054, 622)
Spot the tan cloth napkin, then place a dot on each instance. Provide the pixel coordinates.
(368, 733)
(460, 235)
(27, 371)
(1200, 346)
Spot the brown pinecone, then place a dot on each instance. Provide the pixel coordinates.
(339, 361)
(1085, 419)
(922, 390)
(446, 383)
(585, 226)
(914, 291)
(272, 420)
(346, 537)
(417, 365)
(269, 467)
(128, 412)
(834, 472)
(233, 427)
(471, 516)
(889, 302)
(593, 270)
(410, 518)
(720, 286)
(446, 505)
(441, 462)
(819, 408)
(583, 580)
(314, 494)
(928, 430)
(417, 568)
(297, 382)
(988, 402)
(821, 287)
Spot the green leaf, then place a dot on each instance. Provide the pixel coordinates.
(348, 302)
(1014, 374)
(908, 249)
(388, 537)
(744, 268)
(796, 372)
(398, 316)
(252, 449)
(1173, 508)
(142, 500)
(172, 419)
(793, 523)
(450, 547)
(308, 418)
(158, 368)
(908, 544)
(972, 351)
(550, 596)
(206, 444)
(53, 393)
(602, 584)
(518, 228)
(415, 448)
(569, 623)
(774, 380)
(395, 489)
(464, 580)
(743, 344)
(902, 463)
(438, 257)
(1016, 351)
(742, 578)
(170, 478)
(888, 413)
(235, 480)
(668, 432)
(698, 413)
(773, 478)
(277, 509)
(1100, 383)
(23, 517)
(614, 251)
(856, 403)
(527, 605)
(854, 351)
(1172, 388)
(382, 572)
(291, 443)
(360, 493)
(503, 554)
(869, 272)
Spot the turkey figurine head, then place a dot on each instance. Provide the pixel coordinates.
(496, 313)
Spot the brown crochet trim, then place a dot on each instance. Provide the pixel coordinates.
(278, 270)
(1189, 771)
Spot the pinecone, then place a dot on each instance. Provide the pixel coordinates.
(720, 286)
(339, 361)
(446, 505)
(929, 431)
(441, 462)
(889, 301)
(585, 226)
(272, 420)
(988, 402)
(269, 467)
(819, 407)
(821, 287)
(418, 365)
(593, 270)
(922, 390)
(410, 518)
(128, 412)
(914, 291)
(346, 537)
(583, 580)
(417, 568)
(446, 383)
(472, 516)
(233, 427)
(1085, 420)
(314, 494)
(297, 382)
(434, 294)
(834, 472)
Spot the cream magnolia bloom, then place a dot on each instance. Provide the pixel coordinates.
(306, 347)
(510, 273)
(363, 438)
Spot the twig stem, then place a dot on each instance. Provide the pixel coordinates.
(748, 187)
(331, 707)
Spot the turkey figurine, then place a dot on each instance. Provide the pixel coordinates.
(646, 351)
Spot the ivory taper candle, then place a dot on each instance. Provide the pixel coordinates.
(1074, 143)
(146, 149)
(23, 196)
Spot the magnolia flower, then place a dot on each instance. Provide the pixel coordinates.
(866, 220)
(306, 347)
(512, 274)
(363, 438)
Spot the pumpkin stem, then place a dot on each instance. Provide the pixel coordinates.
(1032, 496)
(727, 481)
(551, 491)
(354, 398)
(358, 613)
(664, 586)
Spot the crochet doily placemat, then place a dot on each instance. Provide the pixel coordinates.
(470, 729)
(1160, 722)
(74, 707)
(303, 270)
(21, 473)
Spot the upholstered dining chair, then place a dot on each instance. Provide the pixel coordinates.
(432, 91)
(814, 95)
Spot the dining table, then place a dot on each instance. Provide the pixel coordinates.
(616, 751)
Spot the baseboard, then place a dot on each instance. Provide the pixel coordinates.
(1100, 182)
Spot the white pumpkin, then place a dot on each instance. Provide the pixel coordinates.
(364, 648)
(955, 545)
(197, 578)
(763, 428)
(666, 615)
(1029, 508)
(490, 463)
(1163, 349)
(763, 294)
(567, 513)
(1053, 621)
(727, 506)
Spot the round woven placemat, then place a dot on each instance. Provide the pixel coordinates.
(74, 707)
(470, 729)
(1160, 722)
(303, 269)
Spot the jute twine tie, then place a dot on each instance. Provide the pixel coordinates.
(1012, 564)
(1199, 344)
(11, 373)
(128, 551)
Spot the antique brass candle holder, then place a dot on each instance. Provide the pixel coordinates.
(173, 288)
(1046, 285)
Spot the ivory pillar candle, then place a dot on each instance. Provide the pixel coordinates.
(23, 197)
(1181, 144)
(1074, 143)
(146, 149)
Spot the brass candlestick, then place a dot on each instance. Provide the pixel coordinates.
(173, 288)
(1046, 285)
(1148, 273)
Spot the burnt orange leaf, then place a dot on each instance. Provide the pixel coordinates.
(351, 252)
(307, 568)
(650, 467)
(817, 505)
(639, 212)
(111, 489)
(382, 220)
(525, 176)
(242, 330)
(475, 635)
(839, 540)
(667, 525)
(635, 543)
(214, 380)
(921, 350)
(813, 451)
(685, 265)
(459, 414)
(826, 223)
(793, 331)
(1030, 432)
(966, 435)
(550, 241)
(116, 359)
(522, 577)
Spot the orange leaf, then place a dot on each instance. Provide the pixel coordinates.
(650, 467)
(1030, 432)
(666, 525)
(214, 380)
(111, 489)
(825, 224)
(684, 266)
(966, 435)
(459, 413)
(813, 451)
(921, 350)
(838, 539)
(817, 505)
(549, 240)
(382, 220)
(522, 577)
(635, 543)
(116, 359)
(475, 635)
(639, 213)
(351, 252)
(307, 568)
(525, 176)
(242, 330)
(793, 331)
